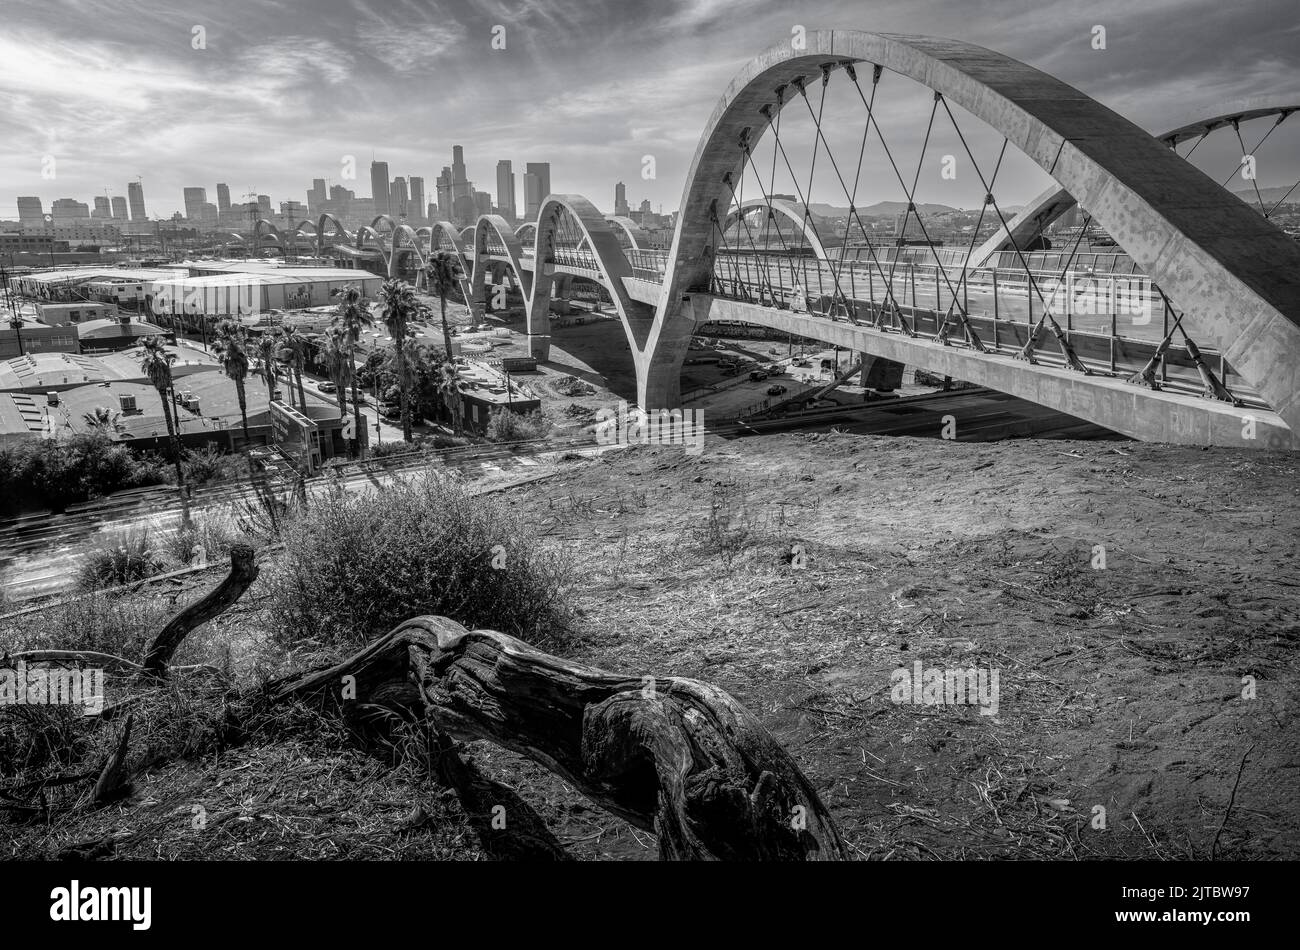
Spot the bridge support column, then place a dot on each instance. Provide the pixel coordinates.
(659, 366)
(538, 317)
(879, 373)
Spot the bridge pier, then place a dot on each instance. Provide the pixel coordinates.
(881, 374)
(659, 362)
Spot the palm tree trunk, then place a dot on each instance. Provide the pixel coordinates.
(243, 418)
(356, 418)
(176, 459)
(446, 332)
(400, 353)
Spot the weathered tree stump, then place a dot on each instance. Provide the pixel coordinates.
(243, 571)
(673, 756)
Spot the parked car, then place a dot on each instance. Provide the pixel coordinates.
(326, 386)
(776, 390)
(758, 375)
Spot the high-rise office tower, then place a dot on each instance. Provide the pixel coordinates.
(397, 198)
(317, 197)
(532, 196)
(543, 172)
(416, 205)
(645, 206)
(223, 198)
(69, 211)
(30, 213)
(119, 208)
(620, 199)
(506, 190)
(102, 207)
(461, 187)
(264, 206)
(135, 198)
(195, 198)
(482, 202)
(443, 188)
(379, 187)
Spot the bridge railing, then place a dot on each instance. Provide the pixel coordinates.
(1113, 323)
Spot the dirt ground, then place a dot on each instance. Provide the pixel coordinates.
(1137, 686)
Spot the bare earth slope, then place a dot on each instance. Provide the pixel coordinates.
(1131, 692)
(1120, 687)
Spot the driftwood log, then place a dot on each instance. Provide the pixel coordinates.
(676, 757)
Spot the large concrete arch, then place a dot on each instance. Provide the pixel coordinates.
(264, 229)
(1235, 276)
(611, 267)
(1227, 115)
(397, 250)
(1045, 208)
(787, 210)
(339, 231)
(527, 233)
(638, 237)
(446, 230)
(490, 225)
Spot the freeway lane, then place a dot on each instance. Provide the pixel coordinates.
(41, 552)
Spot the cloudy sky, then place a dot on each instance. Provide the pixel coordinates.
(284, 91)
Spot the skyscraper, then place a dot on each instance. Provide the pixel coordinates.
(398, 198)
(541, 172)
(195, 199)
(69, 211)
(532, 196)
(223, 198)
(506, 190)
(379, 187)
(620, 199)
(264, 206)
(443, 188)
(317, 197)
(119, 208)
(461, 187)
(135, 197)
(416, 207)
(30, 213)
(463, 208)
(102, 207)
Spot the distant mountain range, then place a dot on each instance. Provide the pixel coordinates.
(890, 208)
(1271, 196)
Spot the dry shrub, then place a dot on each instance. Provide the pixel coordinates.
(356, 566)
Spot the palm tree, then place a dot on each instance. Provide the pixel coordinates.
(397, 304)
(294, 344)
(104, 420)
(337, 361)
(266, 363)
(353, 316)
(442, 273)
(231, 349)
(157, 365)
(449, 389)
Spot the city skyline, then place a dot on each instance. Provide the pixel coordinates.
(327, 82)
